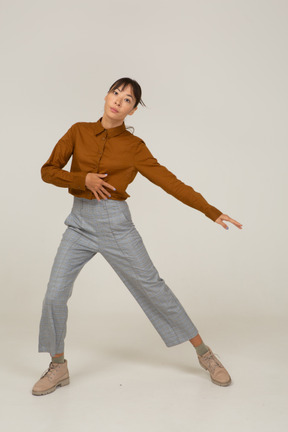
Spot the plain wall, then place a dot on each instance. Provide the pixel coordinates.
(214, 79)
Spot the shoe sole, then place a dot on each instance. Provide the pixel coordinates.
(226, 384)
(63, 383)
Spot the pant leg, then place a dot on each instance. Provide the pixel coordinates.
(125, 252)
(73, 253)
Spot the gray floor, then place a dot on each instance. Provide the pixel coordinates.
(128, 380)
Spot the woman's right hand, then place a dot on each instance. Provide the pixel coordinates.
(95, 183)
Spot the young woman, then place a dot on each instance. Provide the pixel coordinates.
(106, 158)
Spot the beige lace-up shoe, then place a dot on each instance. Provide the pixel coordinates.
(57, 375)
(218, 373)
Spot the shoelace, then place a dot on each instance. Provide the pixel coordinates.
(49, 370)
(212, 362)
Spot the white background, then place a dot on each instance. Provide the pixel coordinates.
(214, 79)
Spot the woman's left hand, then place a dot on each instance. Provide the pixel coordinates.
(225, 217)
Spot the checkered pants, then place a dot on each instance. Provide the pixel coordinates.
(106, 227)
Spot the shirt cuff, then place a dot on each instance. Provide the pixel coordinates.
(213, 213)
(79, 180)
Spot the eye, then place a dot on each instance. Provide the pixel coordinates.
(115, 92)
(127, 100)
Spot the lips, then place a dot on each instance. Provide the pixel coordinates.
(113, 110)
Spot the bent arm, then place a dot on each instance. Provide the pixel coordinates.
(52, 172)
(149, 167)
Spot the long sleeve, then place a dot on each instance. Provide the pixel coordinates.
(52, 171)
(149, 167)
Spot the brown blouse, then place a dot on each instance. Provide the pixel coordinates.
(121, 155)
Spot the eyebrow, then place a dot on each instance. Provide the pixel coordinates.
(126, 94)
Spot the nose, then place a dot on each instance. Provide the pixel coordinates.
(117, 101)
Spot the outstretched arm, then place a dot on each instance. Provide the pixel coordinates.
(148, 166)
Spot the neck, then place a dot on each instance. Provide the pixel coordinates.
(108, 123)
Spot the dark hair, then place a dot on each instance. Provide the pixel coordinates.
(135, 86)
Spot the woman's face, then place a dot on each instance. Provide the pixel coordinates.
(119, 103)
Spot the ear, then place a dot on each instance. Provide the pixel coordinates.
(105, 98)
(132, 112)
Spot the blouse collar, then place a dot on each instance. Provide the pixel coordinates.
(111, 132)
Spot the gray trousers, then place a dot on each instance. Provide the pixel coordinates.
(106, 226)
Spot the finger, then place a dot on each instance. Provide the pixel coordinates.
(240, 226)
(108, 185)
(220, 222)
(101, 175)
(103, 190)
(106, 193)
(229, 219)
(237, 224)
(101, 194)
(96, 195)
